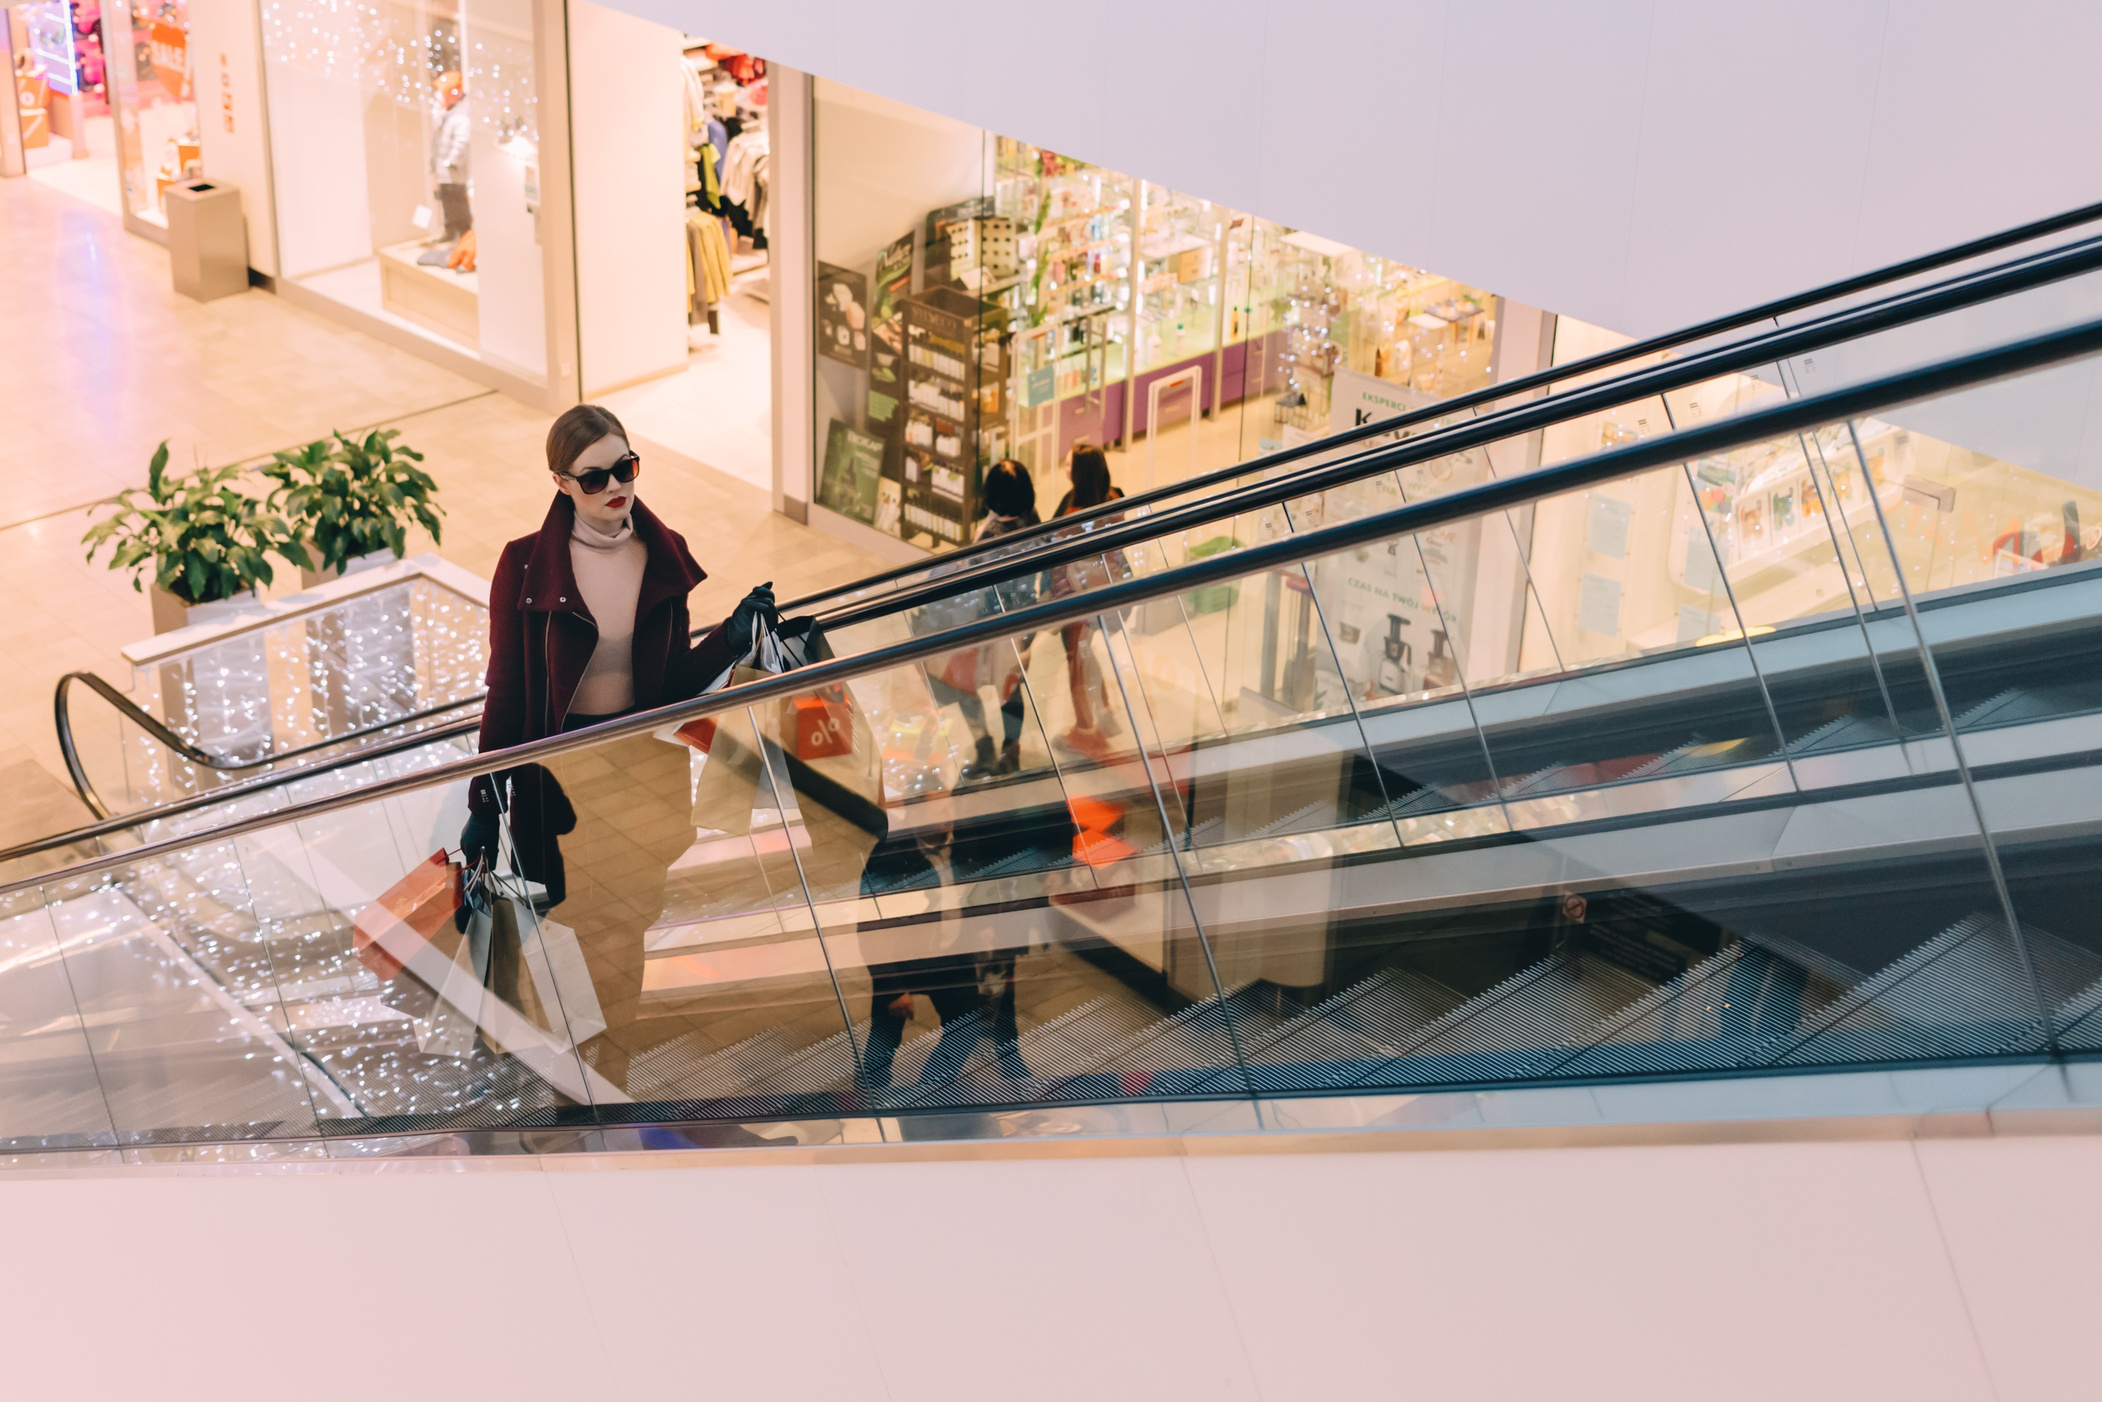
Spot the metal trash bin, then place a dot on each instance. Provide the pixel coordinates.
(207, 239)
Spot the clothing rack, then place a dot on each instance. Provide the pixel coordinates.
(726, 141)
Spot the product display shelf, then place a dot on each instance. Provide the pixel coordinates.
(437, 299)
(943, 378)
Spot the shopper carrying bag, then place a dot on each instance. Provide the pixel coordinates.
(957, 678)
(587, 622)
(1094, 719)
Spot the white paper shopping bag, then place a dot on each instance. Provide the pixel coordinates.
(561, 979)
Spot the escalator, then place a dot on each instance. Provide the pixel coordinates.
(1469, 778)
(365, 669)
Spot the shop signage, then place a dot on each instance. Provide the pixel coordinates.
(1606, 527)
(171, 58)
(1598, 604)
(853, 465)
(842, 315)
(50, 34)
(891, 285)
(1355, 399)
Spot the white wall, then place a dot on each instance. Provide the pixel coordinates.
(1636, 163)
(625, 118)
(226, 60)
(317, 141)
(1913, 1271)
(511, 299)
(791, 326)
(880, 166)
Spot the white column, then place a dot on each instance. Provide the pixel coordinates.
(791, 256)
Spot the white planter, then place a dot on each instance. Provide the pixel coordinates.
(356, 563)
(171, 613)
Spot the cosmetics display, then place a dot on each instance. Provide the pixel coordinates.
(1061, 303)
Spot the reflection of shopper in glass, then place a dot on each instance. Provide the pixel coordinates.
(1010, 504)
(973, 991)
(587, 622)
(450, 151)
(1088, 470)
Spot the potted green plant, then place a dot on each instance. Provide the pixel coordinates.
(352, 499)
(205, 540)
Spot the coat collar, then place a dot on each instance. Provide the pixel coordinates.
(551, 582)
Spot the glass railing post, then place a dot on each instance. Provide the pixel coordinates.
(846, 844)
(1987, 845)
(1131, 696)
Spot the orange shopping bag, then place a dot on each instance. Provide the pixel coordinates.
(393, 930)
(821, 725)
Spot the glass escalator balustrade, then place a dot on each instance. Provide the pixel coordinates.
(1750, 762)
(342, 671)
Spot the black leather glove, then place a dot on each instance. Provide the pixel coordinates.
(478, 840)
(478, 857)
(754, 610)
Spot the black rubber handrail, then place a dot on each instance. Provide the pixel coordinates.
(207, 798)
(152, 725)
(1524, 385)
(2021, 275)
(1721, 436)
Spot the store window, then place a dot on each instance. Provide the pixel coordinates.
(61, 90)
(980, 298)
(405, 157)
(678, 340)
(157, 139)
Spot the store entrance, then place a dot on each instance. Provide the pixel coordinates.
(62, 135)
(716, 408)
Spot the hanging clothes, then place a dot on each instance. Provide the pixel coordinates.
(710, 194)
(714, 257)
(745, 184)
(742, 164)
(694, 99)
(719, 138)
(707, 267)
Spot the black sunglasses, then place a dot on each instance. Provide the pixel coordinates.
(595, 481)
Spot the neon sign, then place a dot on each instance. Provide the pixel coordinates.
(50, 27)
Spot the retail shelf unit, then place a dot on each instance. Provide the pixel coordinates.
(947, 381)
(1068, 303)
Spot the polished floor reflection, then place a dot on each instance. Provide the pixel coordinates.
(104, 360)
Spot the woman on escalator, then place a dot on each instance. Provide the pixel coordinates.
(1093, 720)
(588, 622)
(954, 678)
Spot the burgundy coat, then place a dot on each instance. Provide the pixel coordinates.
(541, 636)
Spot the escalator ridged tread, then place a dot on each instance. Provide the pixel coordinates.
(1515, 1028)
(1364, 1025)
(1961, 993)
(2079, 1019)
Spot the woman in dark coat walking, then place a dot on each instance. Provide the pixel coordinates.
(588, 622)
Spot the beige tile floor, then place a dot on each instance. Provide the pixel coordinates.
(99, 361)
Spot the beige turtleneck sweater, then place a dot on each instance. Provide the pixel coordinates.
(609, 576)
